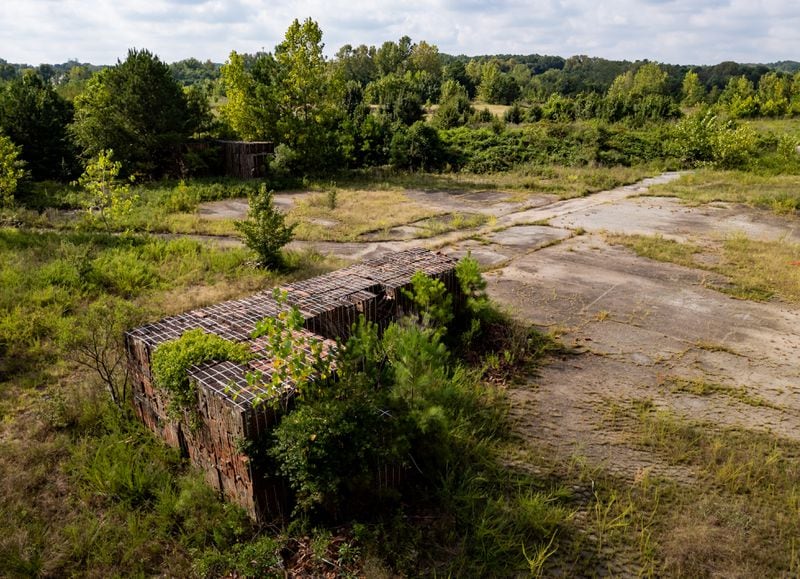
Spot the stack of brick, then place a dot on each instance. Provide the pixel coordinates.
(229, 416)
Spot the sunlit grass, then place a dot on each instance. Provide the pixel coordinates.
(355, 212)
(757, 270)
(778, 193)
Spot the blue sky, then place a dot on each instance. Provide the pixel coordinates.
(673, 31)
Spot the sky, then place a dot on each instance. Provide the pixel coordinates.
(669, 31)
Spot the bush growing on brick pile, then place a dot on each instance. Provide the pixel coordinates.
(172, 360)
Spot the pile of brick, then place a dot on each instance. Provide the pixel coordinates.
(227, 418)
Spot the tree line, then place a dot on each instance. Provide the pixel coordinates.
(397, 103)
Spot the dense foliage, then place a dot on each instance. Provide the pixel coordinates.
(12, 170)
(36, 118)
(368, 106)
(138, 110)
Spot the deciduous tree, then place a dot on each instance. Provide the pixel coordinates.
(36, 118)
(693, 92)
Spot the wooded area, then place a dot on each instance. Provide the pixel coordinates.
(403, 104)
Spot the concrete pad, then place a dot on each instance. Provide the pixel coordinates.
(237, 208)
(529, 236)
(674, 219)
(225, 209)
(486, 255)
(633, 323)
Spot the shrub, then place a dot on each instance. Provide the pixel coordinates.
(513, 115)
(431, 298)
(265, 230)
(105, 196)
(703, 138)
(96, 343)
(172, 360)
(418, 147)
(12, 170)
(331, 446)
(298, 358)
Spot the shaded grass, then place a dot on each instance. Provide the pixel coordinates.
(96, 495)
(757, 270)
(778, 193)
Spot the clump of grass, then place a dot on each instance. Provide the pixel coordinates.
(356, 212)
(777, 193)
(455, 222)
(701, 387)
(658, 248)
(757, 270)
(602, 315)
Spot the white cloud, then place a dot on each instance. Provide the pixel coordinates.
(678, 31)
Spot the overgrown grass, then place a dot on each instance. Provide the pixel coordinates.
(732, 514)
(49, 279)
(84, 490)
(355, 212)
(778, 193)
(87, 492)
(741, 515)
(757, 270)
(560, 180)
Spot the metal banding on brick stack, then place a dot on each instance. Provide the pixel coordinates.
(227, 417)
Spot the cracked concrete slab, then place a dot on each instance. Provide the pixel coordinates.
(674, 219)
(635, 324)
(529, 236)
